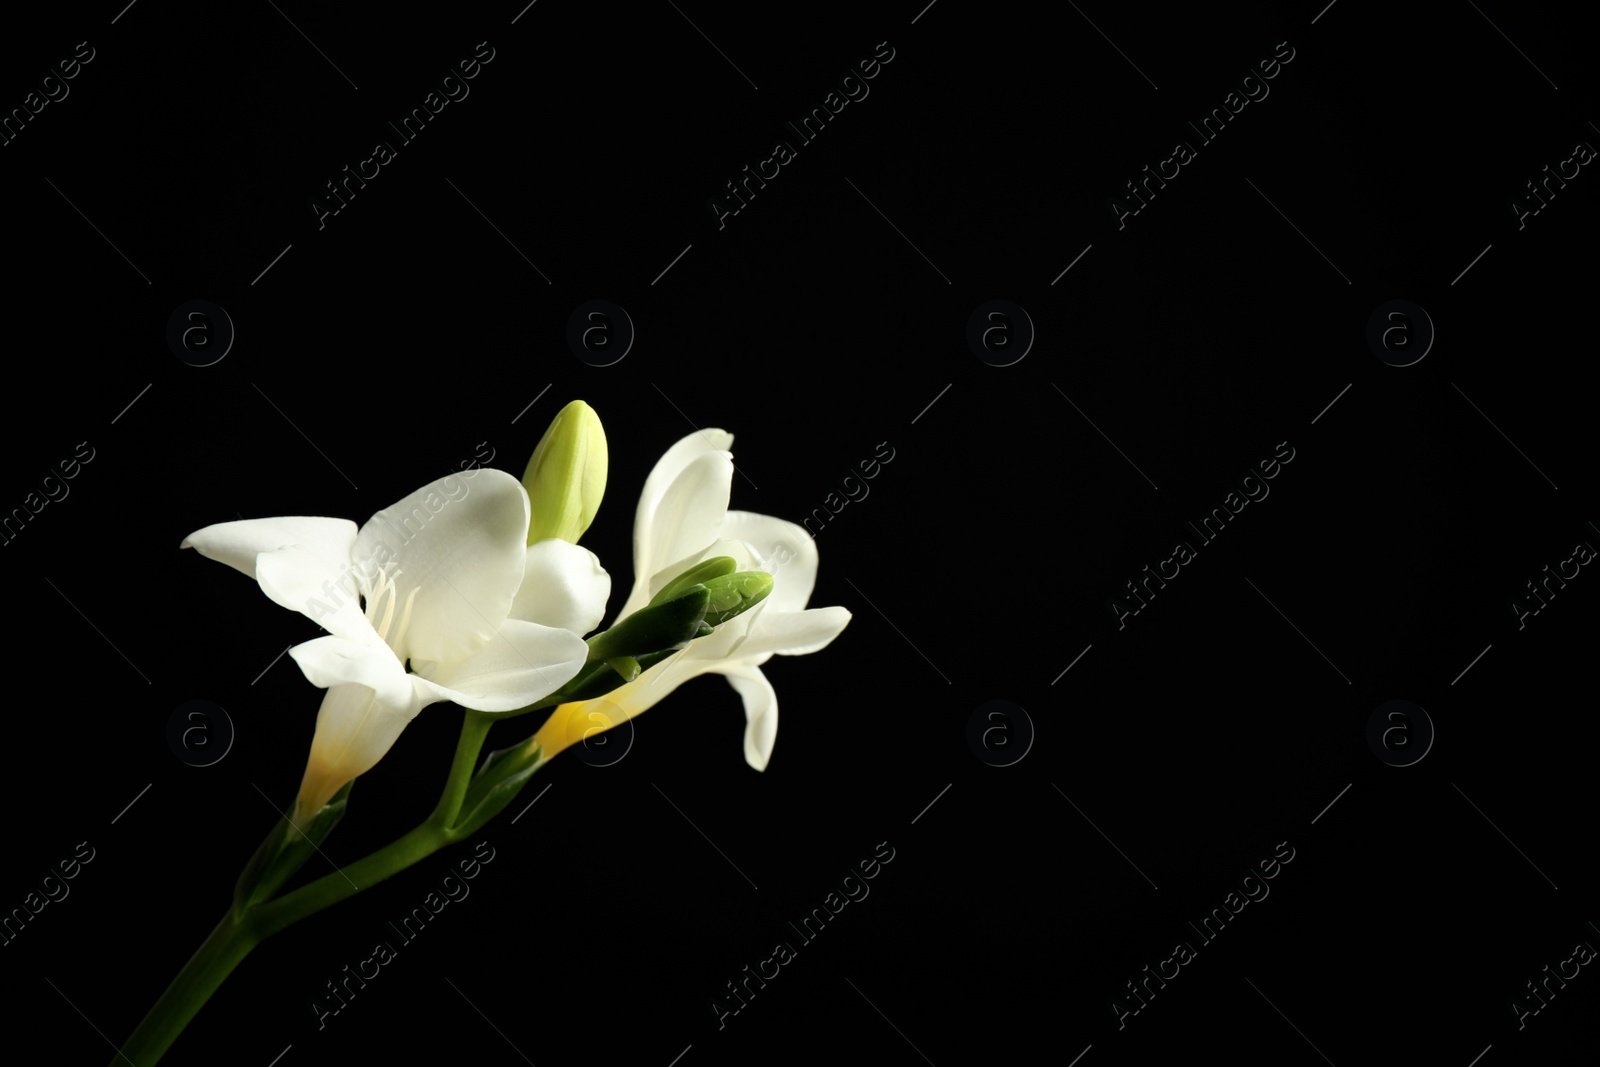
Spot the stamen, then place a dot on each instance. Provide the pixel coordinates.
(405, 618)
(377, 595)
(388, 613)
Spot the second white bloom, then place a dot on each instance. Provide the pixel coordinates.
(683, 518)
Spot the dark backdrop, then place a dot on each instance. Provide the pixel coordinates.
(1146, 759)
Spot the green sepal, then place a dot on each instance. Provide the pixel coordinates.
(496, 784)
(646, 662)
(626, 666)
(498, 756)
(652, 629)
(284, 851)
(699, 574)
(594, 680)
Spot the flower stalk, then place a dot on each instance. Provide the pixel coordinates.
(246, 924)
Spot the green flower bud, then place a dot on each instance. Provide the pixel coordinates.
(715, 567)
(566, 477)
(735, 594)
(653, 629)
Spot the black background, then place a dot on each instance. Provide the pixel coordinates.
(825, 320)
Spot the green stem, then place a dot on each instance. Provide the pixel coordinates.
(473, 731)
(423, 841)
(216, 958)
(365, 873)
(240, 931)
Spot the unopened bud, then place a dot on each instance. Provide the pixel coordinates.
(566, 478)
(735, 594)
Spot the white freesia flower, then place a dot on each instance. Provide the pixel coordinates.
(439, 597)
(683, 518)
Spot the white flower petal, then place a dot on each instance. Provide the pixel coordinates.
(792, 633)
(523, 663)
(354, 731)
(675, 460)
(760, 712)
(745, 557)
(334, 661)
(787, 551)
(463, 546)
(563, 585)
(239, 543)
(569, 723)
(654, 685)
(728, 640)
(684, 521)
(301, 579)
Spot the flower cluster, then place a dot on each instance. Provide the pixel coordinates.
(473, 590)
